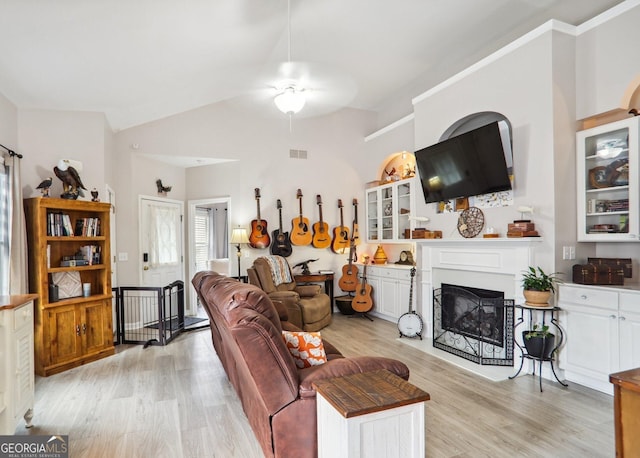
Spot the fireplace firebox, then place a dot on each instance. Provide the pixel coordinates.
(474, 324)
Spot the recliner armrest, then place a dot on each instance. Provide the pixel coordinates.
(308, 290)
(345, 366)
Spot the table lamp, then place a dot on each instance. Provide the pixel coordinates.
(239, 236)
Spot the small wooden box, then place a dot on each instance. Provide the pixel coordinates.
(597, 274)
(617, 263)
(521, 226)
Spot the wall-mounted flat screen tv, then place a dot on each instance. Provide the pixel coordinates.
(476, 162)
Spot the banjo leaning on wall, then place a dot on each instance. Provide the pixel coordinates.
(410, 323)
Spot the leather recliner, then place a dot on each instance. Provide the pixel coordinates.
(307, 306)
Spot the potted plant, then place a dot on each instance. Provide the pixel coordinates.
(539, 342)
(538, 286)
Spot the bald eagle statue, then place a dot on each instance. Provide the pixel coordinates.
(71, 182)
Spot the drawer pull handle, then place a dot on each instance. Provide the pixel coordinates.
(77, 329)
(613, 317)
(583, 297)
(621, 318)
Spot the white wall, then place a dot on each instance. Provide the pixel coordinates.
(608, 61)
(45, 137)
(8, 123)
(518, 85)
(259, 150)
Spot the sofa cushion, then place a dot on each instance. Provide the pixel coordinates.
(305, 347)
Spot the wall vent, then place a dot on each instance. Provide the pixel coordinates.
(298, 153)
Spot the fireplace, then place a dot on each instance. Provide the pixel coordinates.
(473, 323)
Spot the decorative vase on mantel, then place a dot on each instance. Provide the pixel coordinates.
(537, 298)
(380, 257)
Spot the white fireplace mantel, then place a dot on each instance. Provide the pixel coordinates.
(476, 261)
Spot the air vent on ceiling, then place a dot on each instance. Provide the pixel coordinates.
(298, 153)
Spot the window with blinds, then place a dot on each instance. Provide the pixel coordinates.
(202, 238)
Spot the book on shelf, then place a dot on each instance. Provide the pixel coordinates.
(59, 225)
(87, 227)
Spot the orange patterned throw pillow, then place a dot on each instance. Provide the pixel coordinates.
(305, 347)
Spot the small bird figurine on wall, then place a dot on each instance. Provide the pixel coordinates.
(161, 188)
(71, 182)
(44, 186)
(94, 195)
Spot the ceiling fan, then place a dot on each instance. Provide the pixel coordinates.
(308, 88)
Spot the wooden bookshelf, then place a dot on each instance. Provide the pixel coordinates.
(75, 330)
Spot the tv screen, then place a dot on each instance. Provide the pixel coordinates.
(473, 163)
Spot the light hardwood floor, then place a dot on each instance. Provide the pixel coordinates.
(175, 401)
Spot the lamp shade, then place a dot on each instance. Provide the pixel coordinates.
(239, 235)
(290, 100)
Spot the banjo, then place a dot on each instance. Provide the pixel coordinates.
(410, 323)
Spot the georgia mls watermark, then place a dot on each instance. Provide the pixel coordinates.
(34, 446)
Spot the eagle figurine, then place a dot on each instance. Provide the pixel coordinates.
(44, 186)
(71, 182)
(162, 189)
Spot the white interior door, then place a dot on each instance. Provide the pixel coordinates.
(161, 241)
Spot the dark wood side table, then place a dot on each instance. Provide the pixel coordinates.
(626, 405)
(353, 409)
(316, 277)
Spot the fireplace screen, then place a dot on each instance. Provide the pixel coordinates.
(475, 324)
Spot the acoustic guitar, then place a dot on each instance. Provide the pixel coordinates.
(362, 301)
(281, 245)
(349, 280)
(321, 237)
(355, 230)
(259, 237)
(340, 234)
(300, 230)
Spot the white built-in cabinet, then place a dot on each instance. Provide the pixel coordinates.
(602, 328)
(17, 376)
(388, 208)
(391, 285)
(607, 179)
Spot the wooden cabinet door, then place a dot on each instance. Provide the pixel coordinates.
(96, 326)
(65, 339)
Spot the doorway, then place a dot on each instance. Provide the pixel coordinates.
(161, 241)
(208, 237)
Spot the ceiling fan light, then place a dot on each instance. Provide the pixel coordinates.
(290, 101)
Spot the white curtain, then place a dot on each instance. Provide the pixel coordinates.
(165, 229)
(5, 226)
(13, 240)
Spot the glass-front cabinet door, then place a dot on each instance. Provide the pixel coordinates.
(387, 212)
(608, 182)
(404, 209)
(373, 212)
(388, 209)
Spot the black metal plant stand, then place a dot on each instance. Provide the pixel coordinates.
(523, 353)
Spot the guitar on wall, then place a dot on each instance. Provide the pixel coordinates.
(340, 234)
(281, 245)
(300, 231)
(259, 237)
(362, 301)
(355, 231)
(349, 280)
(321, 237)
(410, 323)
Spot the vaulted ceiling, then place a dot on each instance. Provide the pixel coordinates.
(141, 60)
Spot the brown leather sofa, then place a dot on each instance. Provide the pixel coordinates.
(277, 397)
(307, 306)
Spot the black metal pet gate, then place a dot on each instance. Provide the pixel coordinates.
(149, 315)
